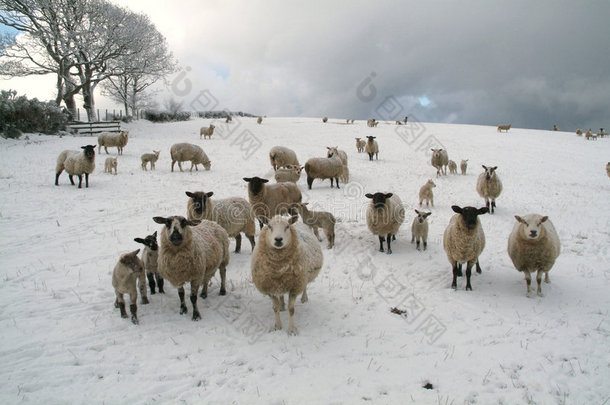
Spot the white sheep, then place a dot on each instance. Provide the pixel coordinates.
(608, 169)
(440, 160)
(110, 139)
(229, 119)
(234, 214)
(324, 168)
(360, 145)
(325, 119)
(150, 258)
(419, 229)
(452, 167)
(371, 122)
(259, 120)
(124, 280)
(318, 219)
(489, 187)
(464, 166)
(183, 152)
(281, 156)
(372, 147)
(207, 132)
(384, 216)
(76, 163)
(268, 200)
(579, 132)
(426, 194)
(286, 258)
(343, 156)
(504, 127)
(150, 157)
(289, 173)
(191, 251)
(464, 240)
(109, 164)
(533, 246)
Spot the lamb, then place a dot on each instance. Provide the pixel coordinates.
(124, 277)
(268, 200)
(588, 134)
(76, 163)
(110, 164)
(289, 173)
(318, 219)
(398, 122)
(259, 120)
(419, 229)
(489, 187)
(150, 256)
(286, 258)
(229, 119)
(464, 240)
(207, 132)
(371, 122)
(234, 214)
(182, 152)
(280, 156)
(371, 147)
(109, 139)
(384, 217)
(504, 127)
(452, 167)
(343, 156)
(150, 157)
(464, 166)
(555, 127)
(324, 168)
(191, 251)
(325, 119)
(579, 132)
(440, 160)
(533, 246)
(425, 193)
(360, 145)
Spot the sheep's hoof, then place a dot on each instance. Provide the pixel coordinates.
(183, 310)
(540, 294)
(124, 316)
(222, 292)
(389, 251)
(454, 286)
(293, 331)
(468, 288)
(203, 295)
(196, 316)
(276, 327)
(134, 320)
(145, 301)
(381, 249)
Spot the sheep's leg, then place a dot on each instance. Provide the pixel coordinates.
(377, 156)
(468, 274)
(417, 244)
(57, 177)
(528, 282)
(381, 239)
(493, 205)
(106, 149)
(87, 179)
(142, 286)
(238, 243)
(330, 236)
(151, 283)
(223, 279)
(276, 309)
(194, 289)
(173, 162)
(456, 273)
(252, 242)
(160, 283)
(432, 201)
(133, 308)
(539, 281)
(291, 298)
(546, 277)
(80, 181)
(315, 232)
(460, 270)
(120, 303)
(282, 304)
(425, 244)
(309, 182)
(183, 309)
(180, 166)
(478, 267)
(389, 240)
(71, 179)
(204, 290)
(304, 297)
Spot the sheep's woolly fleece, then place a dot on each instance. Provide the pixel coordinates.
(64, 342)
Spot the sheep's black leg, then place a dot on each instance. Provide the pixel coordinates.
(425, 245)
(381, 239)
(417, 244)
(133, 308)
(223, 279)
(493, 206)
(80, 180)
(376, 156)
(455, 275)
(260, 223)
(252, 242)
(478, 267)
(204, 291)
(57, 178)
(468, 274)
(459, 266)
(332, 179)
(389, 240)
(488, 205)
(196, 315)
(237, 243)
(160, 283)
(370, 156)
(337, 181)
(71, 179)
(309, 182)
(183, 309)
(87, 179)
(151, 283)
(122, 308)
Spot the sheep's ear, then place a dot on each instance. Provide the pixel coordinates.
(160, 220)
(427, 214)
(368, 195)
(139, 240)
(264, 181)
(328, 147)
(484, 167)
(417, 212)
(293, 219)
(456, 209)
(494, 168)
(388, 195)
(211, 193)
(134, 253)
(482, 211)
(193, 222)
(189, 194)
(519, 219)
(264, 219)
(248, 179)
(543, 219)
(155, 235)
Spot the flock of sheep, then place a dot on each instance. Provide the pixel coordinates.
(287, 254)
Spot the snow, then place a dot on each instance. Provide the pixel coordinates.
(64, 342)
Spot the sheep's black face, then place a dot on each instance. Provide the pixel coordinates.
(200, 200)
(150, 241)
(370, 138)
(379, 199)
(421, 216)
(470, 214)
(255, 184)
(89, 151)
(175, 227)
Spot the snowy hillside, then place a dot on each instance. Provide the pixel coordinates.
(64, 342)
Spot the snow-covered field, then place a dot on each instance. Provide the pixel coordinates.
(62, 341)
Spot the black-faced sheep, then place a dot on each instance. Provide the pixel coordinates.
(384, 216)
(124, 280)
(372, 147)
(183, 152)
(76, 163)
(268, 200)
(489, 187)
(150, 257)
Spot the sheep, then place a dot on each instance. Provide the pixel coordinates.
(419, 229)
(324, 168)
(182, 152)
(259, 120)
(229, 119)
(191, 251)
(76, 163)
(405, 120)
(463, 241)
(371, 122)
(555, 127)
(372, 147)
(150, 256)
(360, 144)
(452, 167)
(318, 219)
(425, 193)
(464, 166)
(533, 246)
(286, 258)
(602, 133)
(384, 216)
(234, 214)
(608, 169)
(150, 157)
(343, 156)
(579, 132)
(268, 200)
(590, 135)
(109, 139)
(207, 132)
(440, 160)
(289, 173)
(124, 277)
(489, 187)
(504, 127)
(325, 120)
(281, 156)
(109, 164)
(398, 122)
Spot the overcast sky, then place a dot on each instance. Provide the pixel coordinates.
(529, 63)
